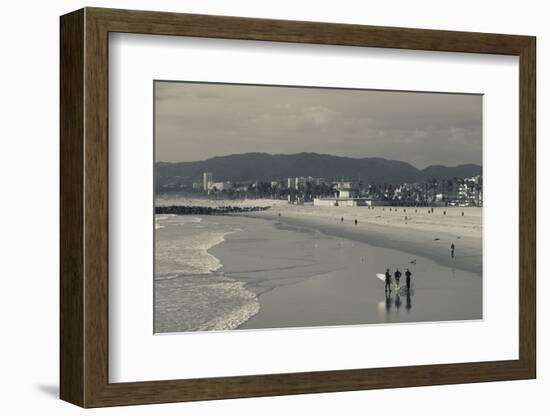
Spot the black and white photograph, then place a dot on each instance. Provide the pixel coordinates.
(295, 207)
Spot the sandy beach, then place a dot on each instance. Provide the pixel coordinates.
(302, 266)
(409, 229)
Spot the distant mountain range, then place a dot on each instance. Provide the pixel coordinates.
(265, 167)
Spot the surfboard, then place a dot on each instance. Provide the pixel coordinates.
(381, 276)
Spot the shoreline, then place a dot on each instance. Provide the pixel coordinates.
(468, 255)
(406, 228)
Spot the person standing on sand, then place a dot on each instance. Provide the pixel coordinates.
(408, 275)
(356, 221)
(342, 219)
(388, 280)
(397, 275)
(452, 250)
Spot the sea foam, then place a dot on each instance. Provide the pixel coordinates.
(202, 303)
(190, 292)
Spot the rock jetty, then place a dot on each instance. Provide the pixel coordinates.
(193, 210)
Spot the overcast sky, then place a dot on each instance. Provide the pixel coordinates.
(196, 121)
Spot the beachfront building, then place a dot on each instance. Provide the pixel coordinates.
(207, 179)
(344, 190)
(343, 185)
(300, 183)
(297, 183)
(348, 202)
(219, 186)
(343, 193)
(469, 192)
(339, 202)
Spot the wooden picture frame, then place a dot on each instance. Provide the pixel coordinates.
(84, 207)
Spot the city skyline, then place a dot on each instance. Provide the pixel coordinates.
(198, 121)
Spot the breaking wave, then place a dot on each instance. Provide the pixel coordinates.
(191, 294)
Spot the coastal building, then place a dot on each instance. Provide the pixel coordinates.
(469, 192)
(219, 186)
(348, 202)
(344, 190)
(207, 179)
(343, 193)
(301, 182)
(297, 183)
(479, 197)
(343, 185)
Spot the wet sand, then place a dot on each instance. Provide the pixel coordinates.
(431, 240)
(307, 273)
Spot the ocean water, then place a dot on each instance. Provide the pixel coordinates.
(191, 293)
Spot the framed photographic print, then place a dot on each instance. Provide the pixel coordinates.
(255, 207)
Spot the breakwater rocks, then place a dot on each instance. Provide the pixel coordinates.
(187, 210)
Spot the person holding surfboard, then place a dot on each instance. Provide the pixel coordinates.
(397, 275)
(388, 280)
(408, 275)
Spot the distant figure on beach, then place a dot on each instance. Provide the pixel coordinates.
(342, 219)
(452, 250)
(388, 280)
(408, 275)
(279, 214)
(397, 275)
(356, 221)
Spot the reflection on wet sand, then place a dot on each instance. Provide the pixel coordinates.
(395, 301)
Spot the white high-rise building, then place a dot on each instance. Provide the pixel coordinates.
(207, 179)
